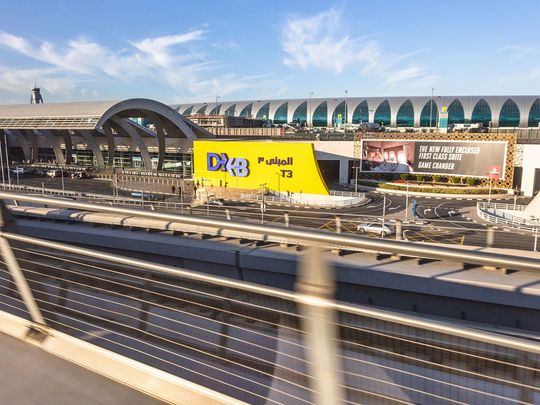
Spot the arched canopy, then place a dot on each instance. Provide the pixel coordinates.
(320, 115)
(429, 115)
(263, 112)
(481, 113)
(246, 111)
(300, 114)
(534, 114)
(405, 115)
(98, 118)
(338, 116)
(456, 115)
(382, 113)
(361, 113)
(509, 115)
(280, 116)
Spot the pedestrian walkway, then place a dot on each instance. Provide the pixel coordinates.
(30, 375)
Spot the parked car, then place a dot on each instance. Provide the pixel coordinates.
(216, 201)
(81, 175)
(18, 170)
(55, 173)
(376, 228)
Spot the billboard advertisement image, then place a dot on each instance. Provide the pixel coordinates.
(279, 166)
(460, 158)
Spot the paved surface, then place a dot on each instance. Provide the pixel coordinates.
(445, 219)
(31, 376)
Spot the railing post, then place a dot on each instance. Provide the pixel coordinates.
(399, 230)
(286, 219)
(18, 278)
(228, 214)
(338, 224)
(316, 286)
(490, 236)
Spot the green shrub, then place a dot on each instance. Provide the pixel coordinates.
(471, 181)
(437, 178)
(404, 176)
(420, 177)
(455, 179)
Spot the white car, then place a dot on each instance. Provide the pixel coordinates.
(375, 228)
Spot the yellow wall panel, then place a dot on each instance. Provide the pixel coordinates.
(283, 166)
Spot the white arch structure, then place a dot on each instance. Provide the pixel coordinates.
(524, 104)
(26, 123)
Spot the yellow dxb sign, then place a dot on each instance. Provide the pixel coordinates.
(279, 166)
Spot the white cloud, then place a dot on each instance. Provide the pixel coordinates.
(518, 51)
(320, 41)
(165, 60)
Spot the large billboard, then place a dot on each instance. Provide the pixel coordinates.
(460, 158)
(279, 166)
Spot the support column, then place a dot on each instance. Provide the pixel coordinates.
(161, 138)
(54, 144)
(110, 143)
(92, 143)
(69, 146)
(132, 132)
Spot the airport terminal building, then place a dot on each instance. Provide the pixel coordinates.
(490, 111)
(146, 134)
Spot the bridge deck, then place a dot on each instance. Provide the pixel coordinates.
(30, 375)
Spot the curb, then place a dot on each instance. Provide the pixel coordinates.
(437, 195)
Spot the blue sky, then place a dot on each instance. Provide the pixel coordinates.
(179, 51)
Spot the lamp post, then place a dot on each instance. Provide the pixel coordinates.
(2, 164)
(262, 202)
(7, 158)
(310, 118)
(431, 108)
(346, 119)
(383, 215)
(215, 109)
(407, 203)
(356, 177)
(278, 183)
(537, 220)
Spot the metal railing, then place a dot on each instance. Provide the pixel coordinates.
(499, 213)
(259, 344)
(306, 200)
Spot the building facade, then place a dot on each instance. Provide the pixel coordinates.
(494, 111)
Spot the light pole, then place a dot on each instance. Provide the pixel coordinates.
(431, 108)
(2, 164)
(62, 174)
(407, 203)
(346, 119)
(310, 118)
(492, 173)
(383, 215)
(263, 185)
(516, 193)
(7, 158)
(279, 183)
(215, 109)
(535, 231)
(356, 177)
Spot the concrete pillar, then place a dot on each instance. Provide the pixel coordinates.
(490, 236)
(399, 230)
(344, 171)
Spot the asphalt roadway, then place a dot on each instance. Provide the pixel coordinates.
(440, 219)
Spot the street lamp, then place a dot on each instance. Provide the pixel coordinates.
(431, 108)
(263, 185)
(537, 220)
(215, 109)
(407, 203)
(310, 119)
(346, 118)
(383, 215)
(7, 158)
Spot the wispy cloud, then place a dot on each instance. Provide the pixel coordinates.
(320, 41)
(166, 60)
(518, 51)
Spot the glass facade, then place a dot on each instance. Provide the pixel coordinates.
(405, 115)
(280, 116)
(456, 115)
(300, 114)
(509, 115)
(361, 113)
(215, 110)
(264, 112)
(481, 113)
(382, 113)
(188, 111)
(340, 109)
(230, 110)
(202, 109)
(427, 118)
(246, 111)
(320, 115)
(534, 114)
